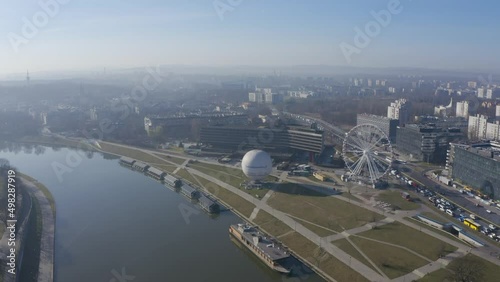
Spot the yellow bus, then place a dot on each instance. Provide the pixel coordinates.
(472, 224)
(320, 176)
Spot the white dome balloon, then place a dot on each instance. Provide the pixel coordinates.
(256, 165)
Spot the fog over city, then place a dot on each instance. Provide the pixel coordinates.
(249, 140)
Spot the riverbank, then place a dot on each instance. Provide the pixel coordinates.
(45, 207)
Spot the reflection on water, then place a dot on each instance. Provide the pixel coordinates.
(110, 219)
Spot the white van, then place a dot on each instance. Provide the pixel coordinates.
(449, 212)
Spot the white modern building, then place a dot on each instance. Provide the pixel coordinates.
(462, 109)
(477, 127)
(480, 92)
(400, 110)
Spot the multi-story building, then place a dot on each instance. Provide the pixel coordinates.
(426, 143)
(93, 114)
(392, 90)
(387, 125)
(497, 112)
(264, 95)
(480, 128)
(493, 131)
(472, 84)
(480, 92)
(462, 109)
(188, 126)
(273, 140)
(400, 110)
(477, 166)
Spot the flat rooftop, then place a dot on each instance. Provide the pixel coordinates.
(270, 247)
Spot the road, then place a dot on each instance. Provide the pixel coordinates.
(450, 193)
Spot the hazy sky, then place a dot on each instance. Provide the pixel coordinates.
(92, 34)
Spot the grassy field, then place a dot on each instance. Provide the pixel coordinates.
(178, 161)
(415, 240)
(185, 175)
(320, 231)
(231, 176)
(166, 168)
(393, 261)
(228, 175)
(436, 217)
(329, 212)
(132, 153)
(45, 192)
(271, 224)
(441, 275)
(347, 247)
(394, 198)
(31, 258)
(443, 233)
(350, 196)
(326, 262)
(491, 272)
(236, 202)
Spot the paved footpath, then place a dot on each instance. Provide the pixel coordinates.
(355, 264)
(367, 272)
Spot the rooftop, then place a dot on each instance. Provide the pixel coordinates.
(269, 246)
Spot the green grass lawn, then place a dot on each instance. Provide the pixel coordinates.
(225, 174)
(350, 196)
(45, 192)
(437, 231)
(185, 175)
(335, 268)
(320, 231)
(176, 160)
(441, 275)
(236, 202)
(132, 153)
(393, 261)
(436, 216)
(415, 240)
(271, 224)
(394, 198)
(490, 271)
(312, 206)
(167, 168)
(347, 247)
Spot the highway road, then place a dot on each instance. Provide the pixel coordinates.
(450, 193)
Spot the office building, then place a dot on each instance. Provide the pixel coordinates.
(400, 110)
(497, 112)
(284, 140)
(188, 126)
(462, 109)
(477, 166)
(425, 142)
(387, 125)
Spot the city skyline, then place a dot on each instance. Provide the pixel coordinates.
(81, 35)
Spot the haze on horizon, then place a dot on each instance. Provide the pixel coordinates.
(92, 34)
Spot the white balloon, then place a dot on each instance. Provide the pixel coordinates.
(256, 164)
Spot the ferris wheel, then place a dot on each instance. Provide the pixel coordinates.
(367, 152)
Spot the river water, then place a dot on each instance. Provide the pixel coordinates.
(117, 225)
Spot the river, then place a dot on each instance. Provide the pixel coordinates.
(115, 225)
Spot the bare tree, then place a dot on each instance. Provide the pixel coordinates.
(467, 269)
